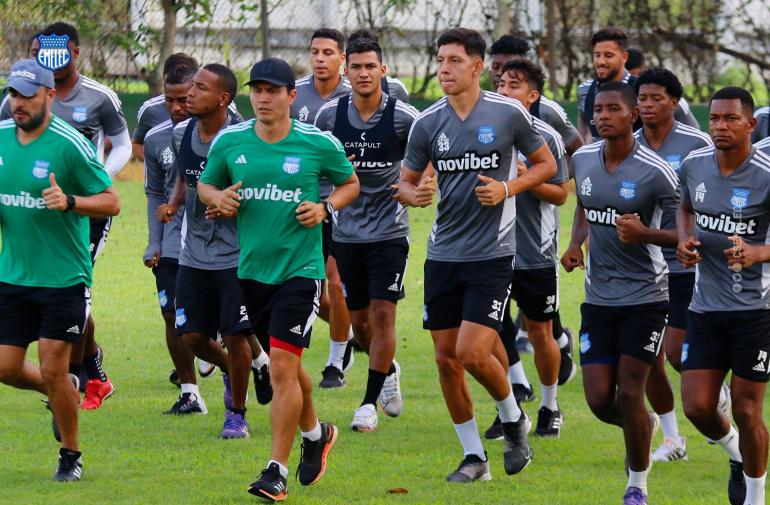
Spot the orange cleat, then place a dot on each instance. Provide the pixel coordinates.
(96, 392)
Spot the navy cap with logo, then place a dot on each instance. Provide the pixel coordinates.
(28, 75)
(273, 70)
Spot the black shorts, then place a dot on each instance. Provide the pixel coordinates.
(537, 292)
(100, 229)
(283, 311)
(208, 301)
(634, 330)
(374, 270)
(326, 235)
(737, 341)
(680, 287)
(29, 313)
(165, 282)
(474, 291)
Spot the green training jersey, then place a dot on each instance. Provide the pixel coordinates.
(41, 247)
(276, 178)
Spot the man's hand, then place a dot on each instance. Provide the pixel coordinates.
(630, 229)
(423, 192)
(573, 258)
(492, 193)
(165, 213)
(743, 254)
(54, 197)
(522, 168)
(687, 252)
(225, 203)
(311, 214)
(153, 262)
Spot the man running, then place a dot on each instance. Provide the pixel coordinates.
(762, 130)
(391, 86)
(268, 172)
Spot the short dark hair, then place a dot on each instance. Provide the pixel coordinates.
(179, 60)
(735, 93)
(662, 77)
(610, 34)
(359, 46)
(180, 74)
(363, 33)
(531, 72)
(471, 40)
(635, 58)
(227, 78)
(330, 33)
(626, 91)
(510, 44)
(60, 28)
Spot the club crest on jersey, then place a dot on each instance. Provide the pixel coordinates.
(486, 134)
(674, 161)
(291, 164)
(443, 143)
(627, 190)
(40, 170)
(304, 112)
(740, 198)
(54, 52)
(79, 114)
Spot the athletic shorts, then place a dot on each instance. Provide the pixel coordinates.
(680, 287)
(28, 313)
(100, 229)
(208, 301)
(737, 341)
(374, 270)
(326, 242)
(474, 291)
(165, 282)
(537, 292)
(634, 330)
(284, 312)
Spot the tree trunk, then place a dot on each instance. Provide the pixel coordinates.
(167, 37)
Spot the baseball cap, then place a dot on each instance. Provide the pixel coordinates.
(273, 70)
(28, 75)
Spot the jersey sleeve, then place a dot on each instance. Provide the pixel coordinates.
(5, 108)
(155, 189)
(526, 138)
(684, 114)
(761, 131)
(559, 154)
(417, 154)
(403, 119)
(684, 192)
(111, 117)
(336, 166)
(582, 93)
(562, 124)
(669, 192)
(85, 170)
(397, 89)
(324, 120)
(145, 121)
(216, 172)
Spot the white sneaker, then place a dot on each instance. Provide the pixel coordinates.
(390, 397)
(205, 368)
(365, 418)
(671, 450)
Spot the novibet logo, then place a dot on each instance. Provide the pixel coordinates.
(23, 199)
(270, 192)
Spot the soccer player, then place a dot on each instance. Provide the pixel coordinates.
(50, 182)
(268, 172)
(635, 64)
(327, 54)
(723, 232)
(623, 188)
(471, 137)
(391, 86)
(763, 145)
(535, 276)
(658, 91)
(371, 236)
(208, 295)
(610, 53)
(762, 130)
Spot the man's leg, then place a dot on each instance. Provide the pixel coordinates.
(547, 361)
(673, 340)
(600, 388)
(288, 403)
(339, 319)
(632, 376)
(17, 372)
(748, 400)
(54, 370)
(238, 368)
(661, 397)
(181, 355)
(206, 348)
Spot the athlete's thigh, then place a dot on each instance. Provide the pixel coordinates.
(233, 317)
(351, 263)
(196, 302)
(443, 296)
(537, 293)
(486, 290)
(293, 310)
(477, 339)
(165, 283)
(641, 330)
(598, 335)
(386, 263)
(63, 312)
(680, 289)
(706, 346)
(19, 316)
(749, 337)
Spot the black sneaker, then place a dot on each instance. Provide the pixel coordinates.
(471, 468)
(523, 393)
(187, 403)
(494, 432)
(517, 453)
(173, 378)
(262, 384)
(333, 377)
(567, 369)
(736, 486)
(54, 427)
(549, 422)
(70, 467)
(271, 485)
(312, 460)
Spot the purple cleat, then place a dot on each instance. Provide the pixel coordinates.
(228, 393)
(634, 496)
(236, 426)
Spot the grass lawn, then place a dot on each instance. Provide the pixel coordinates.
(134, 455)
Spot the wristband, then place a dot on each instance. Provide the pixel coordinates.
(70, 203)
(505, 185)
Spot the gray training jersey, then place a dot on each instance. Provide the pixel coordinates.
(762, 130)
(726, 206)
(537, 222)
(617, 273)
(763, 145)
(374, 216)
(486, 142)
(159, 179)
(153, 112)
(555, 116)
(206, 244)
(681, 141)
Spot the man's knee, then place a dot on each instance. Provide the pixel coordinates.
(747, 414)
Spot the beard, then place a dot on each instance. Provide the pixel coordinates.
(33, 123)
(610, 77)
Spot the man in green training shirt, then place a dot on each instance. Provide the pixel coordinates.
(51, 182)
(267, 171)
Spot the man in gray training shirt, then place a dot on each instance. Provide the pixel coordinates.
(623, 189)
(762, 130)
(371, 235)
(471, 137)
(724, 224)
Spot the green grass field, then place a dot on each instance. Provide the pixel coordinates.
(134, 455)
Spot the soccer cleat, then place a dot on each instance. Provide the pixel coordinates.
(332, 377)
(54, 427)
(634, 496)
(235, 426)
(96, 392)
(567, 368)
(517, 453)
(736, 486)
(391, 401)
(495, 431)
(262, 386)
(271, 485)
(365, 419)
(348, 358)
(523, 345)
(523, 393)
(187, 403)
(205, 368)
(227, 395)
(69, 468)
(471, 468)
(671, 450)
(549, 422)
(173, 378)
(312, 460)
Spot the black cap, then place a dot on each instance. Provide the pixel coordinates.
(273, 70)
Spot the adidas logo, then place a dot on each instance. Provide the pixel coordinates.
(494, 315)
(297, 330)
(393, 287)
(650, 347)
(759, 367)
(548, 309)
(241, 160)
(74, 329)
(244, 319)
